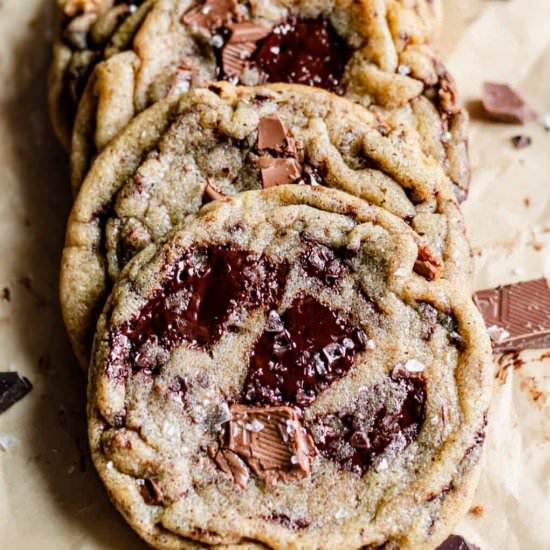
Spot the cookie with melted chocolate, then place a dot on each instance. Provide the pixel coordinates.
(268, 376)
(376, 53)
(208, 144)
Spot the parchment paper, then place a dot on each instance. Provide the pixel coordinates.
(50, 497)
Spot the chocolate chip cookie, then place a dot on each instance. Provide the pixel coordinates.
(277, 375)
(375, 52)
(207, 144)
(89, 31)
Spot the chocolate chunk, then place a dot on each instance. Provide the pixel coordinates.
(234, 58)
(211, 194)
(456, 542)
(517, 316)
(383, 418)
(272, 441)
(300, 354)
(278, 171)
(427, 264)
(150, 492)
(504, 104)
(247, 32)
(230, 463)
(211, 15)
(271, 133)
(521, 141)
(303, 51)
(194, 304)
(13, 387)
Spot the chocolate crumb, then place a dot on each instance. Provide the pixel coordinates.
(456, 542)
(13, 387)
(526, 202)
(521, 141)
(6, 294)
(504, 104)
(477, 510)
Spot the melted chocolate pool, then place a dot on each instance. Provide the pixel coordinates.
(355, 439)
(300, 354)
(196, 302)
(303, 51)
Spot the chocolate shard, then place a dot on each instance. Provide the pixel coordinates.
(13, 387)
(247, 32)
(517, 316)
(272, 441)
(504, 104)
(456, 542)
(272, 133)
(211, 15)
(278, 171)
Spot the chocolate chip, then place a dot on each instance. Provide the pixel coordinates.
(504, 104)
(13, 387)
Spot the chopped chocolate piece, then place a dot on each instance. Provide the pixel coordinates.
(272, 441)
(271, 133)
(211, 15)
(234, 58)
(194, 305)
(150, 492)
(13, 387)
(278, 171)
(517, 316)
(247, 32)
(211, 194)
(521, 141)
(307, 51)
(324, 263)
(427, 264)
(230, 463)
(456, 542)
(300, 354)
(354, 439)
(504, 104)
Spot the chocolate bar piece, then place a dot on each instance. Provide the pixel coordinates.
(456, 542)
(13, 387)
(517, 316)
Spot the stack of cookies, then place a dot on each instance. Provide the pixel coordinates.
(266, 271)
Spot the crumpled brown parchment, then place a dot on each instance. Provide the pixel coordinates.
(50, 497)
